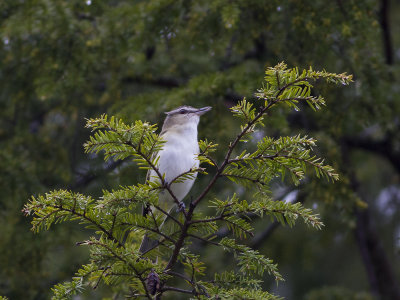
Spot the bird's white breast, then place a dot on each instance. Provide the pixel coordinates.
(178, 156)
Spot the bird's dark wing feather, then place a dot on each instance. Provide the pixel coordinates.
(147, 244)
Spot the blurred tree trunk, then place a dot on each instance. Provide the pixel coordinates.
(385, 25)
(380, 274)
(381, 277)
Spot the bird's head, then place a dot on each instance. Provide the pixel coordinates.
(184, 116)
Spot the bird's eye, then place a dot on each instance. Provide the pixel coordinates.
(183, 111)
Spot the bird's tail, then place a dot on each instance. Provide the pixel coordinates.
(147, 244)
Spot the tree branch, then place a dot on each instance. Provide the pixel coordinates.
(385, 26)
(84, 216)
(260, 238)
(170, 288)
(85, 179)
(219, 171)
(380, 274)
(382, 147)
(139, 275)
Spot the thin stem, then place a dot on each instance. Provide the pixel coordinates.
(101, 276)
(203, 239)
(153, 230)
(254, 180)
(191, 170)
(113, 222)
(170, 288)
(168, 215)
(139, 275)
(221, 217)
(74, 212)
(282, 89)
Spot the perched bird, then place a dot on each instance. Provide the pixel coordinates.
(177, 156)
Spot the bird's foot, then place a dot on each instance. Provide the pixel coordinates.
(181, 207)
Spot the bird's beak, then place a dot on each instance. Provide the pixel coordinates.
(203, 110)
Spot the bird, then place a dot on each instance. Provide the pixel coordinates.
(177, 156)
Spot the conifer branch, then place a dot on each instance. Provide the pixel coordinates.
(46, 211)
(126, 140)
(115, 253)
(138, 274)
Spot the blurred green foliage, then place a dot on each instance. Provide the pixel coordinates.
(336, 293)
(63, 61)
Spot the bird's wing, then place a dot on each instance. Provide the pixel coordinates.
(146, 208)
(152, 157)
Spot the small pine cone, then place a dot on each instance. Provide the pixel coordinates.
(153, 282)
